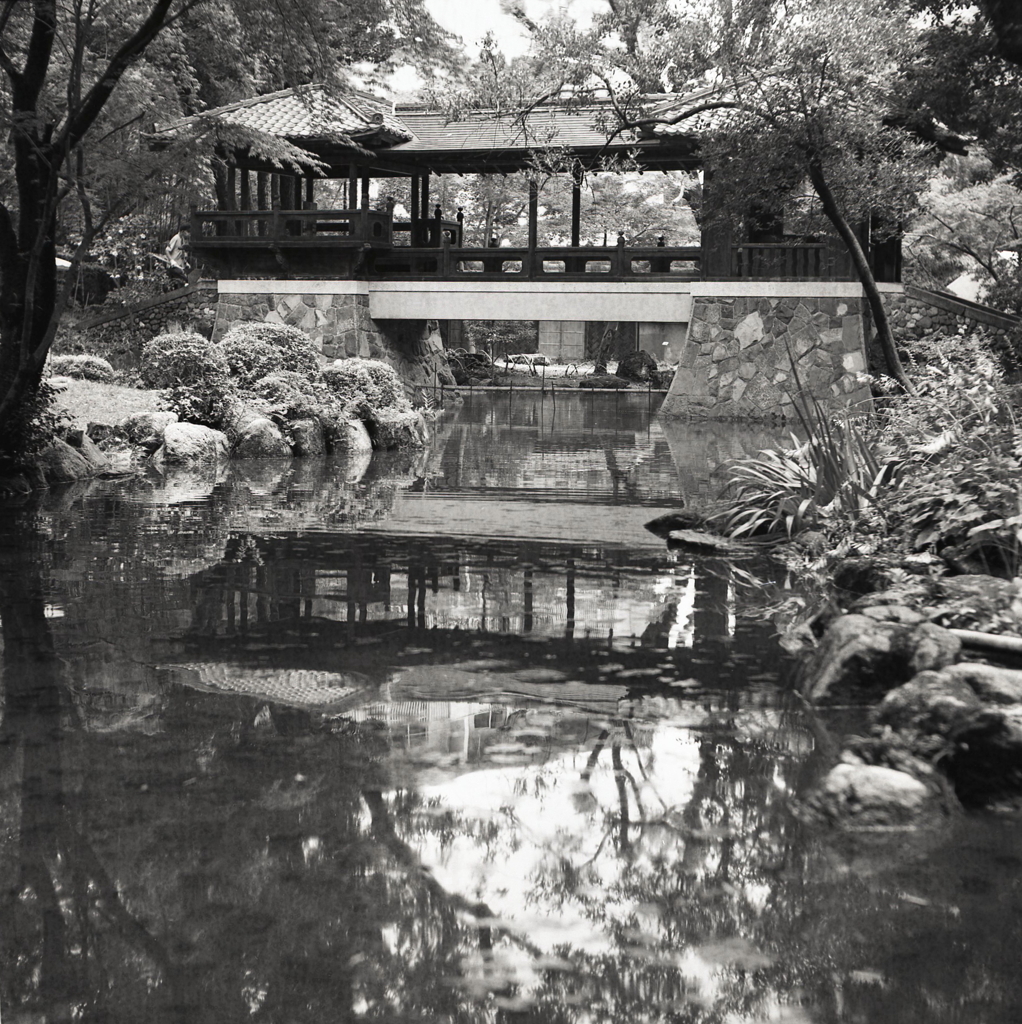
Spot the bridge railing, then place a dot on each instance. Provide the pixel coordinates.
(537, 264)
(802, 261)
(257, 227)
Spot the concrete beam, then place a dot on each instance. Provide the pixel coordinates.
(529, 300)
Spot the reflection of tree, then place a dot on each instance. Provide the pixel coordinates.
(58, 888)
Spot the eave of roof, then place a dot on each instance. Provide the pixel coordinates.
(302, 115)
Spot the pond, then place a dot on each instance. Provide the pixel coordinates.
(450, 738)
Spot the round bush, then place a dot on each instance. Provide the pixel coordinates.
(292, 393)
(297, 352)
(193, 373)
(170, 360)
(83, 367)
(251, 360)
(366, 382)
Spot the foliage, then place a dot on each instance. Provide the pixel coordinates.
(250, 359)
(970, 227)
(960, 449)
(84, 367)
(366, 384)
(194, 374)
(297, 352)
(34, 423)
(293, 394)
(80, 82)
(958, 78)
(799, 106)
(181, 358)
(834, 473)
(502, 337)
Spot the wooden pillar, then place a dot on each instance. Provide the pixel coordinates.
(352, 187)
(232, 193)
(715, 228)
(576, 208)
(310, 189)
(274, 191)
(414, 236)
(533, 214)
(287, 192)
(262, 200)
(365, 188)
(424, 209)
(246, 190)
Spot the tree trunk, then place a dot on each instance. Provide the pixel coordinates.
(862, 268)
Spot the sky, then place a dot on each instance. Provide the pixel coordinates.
(472, 19)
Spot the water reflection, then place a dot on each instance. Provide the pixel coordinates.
(274, 750)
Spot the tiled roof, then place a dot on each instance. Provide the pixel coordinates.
(696, 125)
(310, 114)
(576, 128)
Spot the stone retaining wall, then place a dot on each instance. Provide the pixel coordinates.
(920, 312)
(118, 335)
(737, 359)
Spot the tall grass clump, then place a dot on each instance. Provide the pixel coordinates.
(834, 473)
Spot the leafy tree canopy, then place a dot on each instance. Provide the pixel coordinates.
(81, 79)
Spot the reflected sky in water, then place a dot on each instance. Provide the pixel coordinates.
(445, 737)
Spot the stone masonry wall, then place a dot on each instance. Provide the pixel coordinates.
(119, 335)
(341, 327)
(918, 313)
(737, 359)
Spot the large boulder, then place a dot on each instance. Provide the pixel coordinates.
(307, 436)
(59, 462)
(995, 685)
(146, 428)
(391, 429)
(349, 437)
(261, 439)
(192, 442)
(872, 797)
(931, 704)
(90, 451)
(859, 659)
(985, 764)
(640, 366)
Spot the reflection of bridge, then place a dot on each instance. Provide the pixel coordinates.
(469, 621)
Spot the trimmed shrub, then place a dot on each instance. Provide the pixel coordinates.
(194, 374)
(186, 358)
(366, 384)
(83, 367)
(293, 394)
(297, 352)
(251, 360)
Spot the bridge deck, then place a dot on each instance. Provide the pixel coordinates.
(364, 244)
